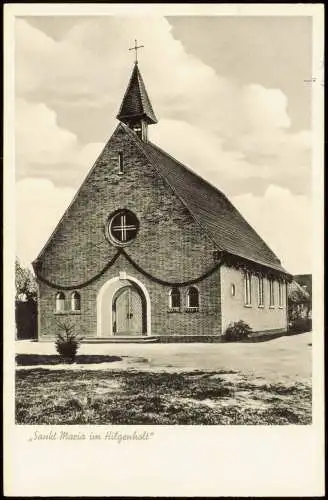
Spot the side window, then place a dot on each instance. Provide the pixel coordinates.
(260, 292)
(280, 298)
(76, 301)
(248, 289)
(192, 298)
(174, 298)
(271, 291)
(120, 163)
(60, 302)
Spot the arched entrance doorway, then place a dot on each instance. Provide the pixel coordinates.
(128, 311)
(123, 308)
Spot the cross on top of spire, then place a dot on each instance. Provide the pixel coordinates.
(136, 47)
(136, 110)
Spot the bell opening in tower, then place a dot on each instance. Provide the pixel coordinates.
(141, 129)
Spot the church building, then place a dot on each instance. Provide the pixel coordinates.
(148, 249)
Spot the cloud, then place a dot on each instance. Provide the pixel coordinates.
(204, 153)
(82, 77)
(39, 207)
(238, 170)
(284, 221)
(38, 137)
(48, 151)
(265, 108)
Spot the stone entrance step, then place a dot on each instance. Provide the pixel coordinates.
(132, 339)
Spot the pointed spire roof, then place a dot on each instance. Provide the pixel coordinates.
(136, 103)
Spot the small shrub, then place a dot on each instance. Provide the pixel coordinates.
(67, 343)
(300, 325)
(239, 330)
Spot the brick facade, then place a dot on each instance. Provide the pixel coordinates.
(170, 245)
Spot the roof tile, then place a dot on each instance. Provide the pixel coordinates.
(213, 211)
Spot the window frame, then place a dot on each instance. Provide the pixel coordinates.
(75, 296)
(60, 299)
(109, 231)
(260, 291)
(280, 295)
(248, 289)
(272, 301)
(190, 308)
(120, 163)
(174, 291)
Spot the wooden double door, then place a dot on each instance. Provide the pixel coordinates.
(128, 311)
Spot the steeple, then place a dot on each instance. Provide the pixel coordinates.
(136, 110)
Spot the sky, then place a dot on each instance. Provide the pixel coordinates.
(228, 92)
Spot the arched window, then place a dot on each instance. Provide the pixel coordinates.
(75, 301)
(280, 297)
(260, 291)
(174, 298)
(248, 289)
(60, 302)
(192, 298)
(271, 293)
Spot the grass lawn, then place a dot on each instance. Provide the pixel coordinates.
(143, 397)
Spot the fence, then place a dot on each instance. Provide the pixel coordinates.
(26, 320)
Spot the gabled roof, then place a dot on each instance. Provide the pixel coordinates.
(212, 210)
(136, 103)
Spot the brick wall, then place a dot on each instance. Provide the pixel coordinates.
(163, 322)
(259, 318)
(170, 245)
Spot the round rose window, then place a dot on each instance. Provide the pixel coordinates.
(123, 227)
